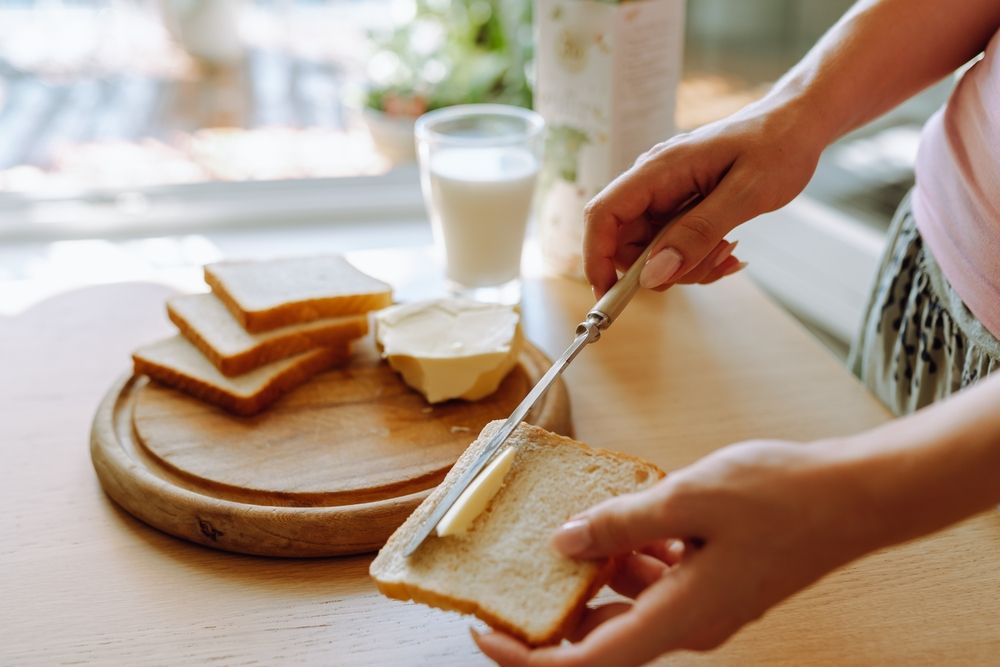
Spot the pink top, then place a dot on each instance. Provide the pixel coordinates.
(956, 203)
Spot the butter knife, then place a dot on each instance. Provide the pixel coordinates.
(600, 317)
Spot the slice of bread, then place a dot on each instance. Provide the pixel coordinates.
(503, 569)
(265, 295)
(205, 321)
(177, 363)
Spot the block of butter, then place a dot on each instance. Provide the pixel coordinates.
(450, 348)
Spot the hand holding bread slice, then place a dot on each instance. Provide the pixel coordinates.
(503, 569)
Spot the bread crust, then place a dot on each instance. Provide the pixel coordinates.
(245, 406)
(570, 617)
(296, 312)
(590, 583)
(339, 332)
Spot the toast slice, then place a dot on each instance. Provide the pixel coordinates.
(503, 569)
(177, 363)
(205, 321)
(266, 295)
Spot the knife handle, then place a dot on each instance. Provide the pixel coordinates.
(610, 306)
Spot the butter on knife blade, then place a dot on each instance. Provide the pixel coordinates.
(477, 496)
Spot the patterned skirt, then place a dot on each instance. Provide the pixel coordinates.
(918, 343)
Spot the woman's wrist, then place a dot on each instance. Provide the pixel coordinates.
(792, 118)
(918, 474)
(845, 483)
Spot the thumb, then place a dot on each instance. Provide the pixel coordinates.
(619, 526)
(690, 240)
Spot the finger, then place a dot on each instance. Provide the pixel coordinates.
(622, 524)
(611, 209)
(658, 622)
(655, 624)
(508, 651)
(594, 617)
(635, 573)
(720, 253)
(643, 187)
(689, 240)
(727, 268)
(668, 551)
(502, 648)
(676, 550)
(633, 238)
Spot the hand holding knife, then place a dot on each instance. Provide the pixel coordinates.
(600, 317)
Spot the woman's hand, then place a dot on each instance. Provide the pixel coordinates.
(879, 54)
(753, 162)
(705, 551)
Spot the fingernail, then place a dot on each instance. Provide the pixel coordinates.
(573, 537)
(736, 269)
(660, 268)
(476, 634)
(724, 255)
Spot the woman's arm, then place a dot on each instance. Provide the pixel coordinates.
(760, 158)
(926, 471)
(881, 53)
(763, 520)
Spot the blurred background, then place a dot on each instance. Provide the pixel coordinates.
(140, 139)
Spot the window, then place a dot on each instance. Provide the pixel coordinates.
(114, 112)
(153, 114)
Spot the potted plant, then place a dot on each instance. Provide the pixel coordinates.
(446, 53)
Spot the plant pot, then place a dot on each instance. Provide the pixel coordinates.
(392, 135)
(208, 30)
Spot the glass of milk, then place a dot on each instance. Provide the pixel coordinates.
(478, 168)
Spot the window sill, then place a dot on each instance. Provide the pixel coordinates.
(198, 207)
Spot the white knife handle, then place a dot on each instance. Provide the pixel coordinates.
(610, 306)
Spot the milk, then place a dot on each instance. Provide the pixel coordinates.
(480, 200)
(607, 76)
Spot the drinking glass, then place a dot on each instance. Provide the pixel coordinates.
(478, 168)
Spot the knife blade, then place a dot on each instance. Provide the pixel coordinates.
(599, 318)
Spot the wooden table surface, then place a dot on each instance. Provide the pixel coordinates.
(678, 376)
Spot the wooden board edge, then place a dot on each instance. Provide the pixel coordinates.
(288, 532)
(230, 525)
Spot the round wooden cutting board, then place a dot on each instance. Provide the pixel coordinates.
(332, 468)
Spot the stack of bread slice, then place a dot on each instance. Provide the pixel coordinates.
(266, 327)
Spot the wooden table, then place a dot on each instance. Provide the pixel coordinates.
(678, 376)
